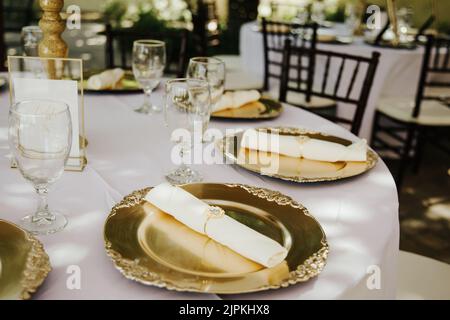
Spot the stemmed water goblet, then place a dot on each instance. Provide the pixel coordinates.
(213, 71)
(40, 138)
(187, 102)
(148, 62)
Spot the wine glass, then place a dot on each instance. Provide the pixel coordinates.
(40, 138)
(213, 71)
(148, 62)
(187, 101)
(318, 12)
(31, 36)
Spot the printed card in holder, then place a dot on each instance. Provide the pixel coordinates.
(58, 79)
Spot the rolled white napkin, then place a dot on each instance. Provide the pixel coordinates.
(303, 146)
(194, 213)
(236, 99)
(106, 80)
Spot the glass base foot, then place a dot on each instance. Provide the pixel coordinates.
(183, 175)
(43, 225)
(147, 109)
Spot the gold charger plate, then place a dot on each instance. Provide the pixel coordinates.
(265, 108)
(153, 248)
(294, 169)
(334, 39)
(127, 85)
(24, 265)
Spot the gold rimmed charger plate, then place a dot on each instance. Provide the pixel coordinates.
(153, 248)
(127, 85)
(24, 265)
(334, 39)
(294, 169)
(264, 108)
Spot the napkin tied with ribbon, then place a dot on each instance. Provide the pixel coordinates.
(212, 221)
(302, 146)
(106, 80)
(236, 99)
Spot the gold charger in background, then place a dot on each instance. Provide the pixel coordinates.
(294, 169)
(263, 109)
(24, 265)
(153, 248)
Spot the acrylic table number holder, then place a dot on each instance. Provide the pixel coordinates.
(59, 79)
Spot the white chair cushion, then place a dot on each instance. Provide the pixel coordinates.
(299, 99)
(232, 62)
(422, 278)
(432, 112)
(438, 92)
(240, 80)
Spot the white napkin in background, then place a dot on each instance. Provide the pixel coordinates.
(236, 99)
(303, 146)
(192, 212)
(106, 80)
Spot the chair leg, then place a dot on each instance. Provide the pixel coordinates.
(405, 156)
(376, 119)
(419, 150)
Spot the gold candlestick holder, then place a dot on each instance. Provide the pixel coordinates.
(392, 13)
(52, 25)
(360, 9)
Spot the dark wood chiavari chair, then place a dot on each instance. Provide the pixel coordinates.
(402, 126)
(274, 35)
(19, 14)
(2, 40)
(121, 41)
(13, 16)
(293, 79)
(438, 89)
(205, 37)
(424, 27)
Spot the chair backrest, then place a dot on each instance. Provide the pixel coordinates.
(205, 36)
(17, 14)
(274, 35)
(435, 62)
(424, 27)
(121, 41)
(336, 81)
(2, 39)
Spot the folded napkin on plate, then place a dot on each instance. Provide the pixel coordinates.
(303, 146)
(106, 80)
(210, 254)
(236, 99)
(197, 215)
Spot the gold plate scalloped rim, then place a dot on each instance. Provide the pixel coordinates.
(37, 265)
(131, 270)
(372, 158)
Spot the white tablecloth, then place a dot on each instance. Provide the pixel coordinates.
(128, 151)
(397, 73)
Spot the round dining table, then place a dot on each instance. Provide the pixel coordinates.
(397, 74)
(129, 151)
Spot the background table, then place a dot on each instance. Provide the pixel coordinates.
(129, 151)
(397, 73)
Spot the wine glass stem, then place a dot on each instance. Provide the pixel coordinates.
(42, 209)
(147, 97)
(185, 150)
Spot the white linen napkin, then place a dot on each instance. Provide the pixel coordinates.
(236, 99)
(106, 80)
(194, 213)
(303, 146)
